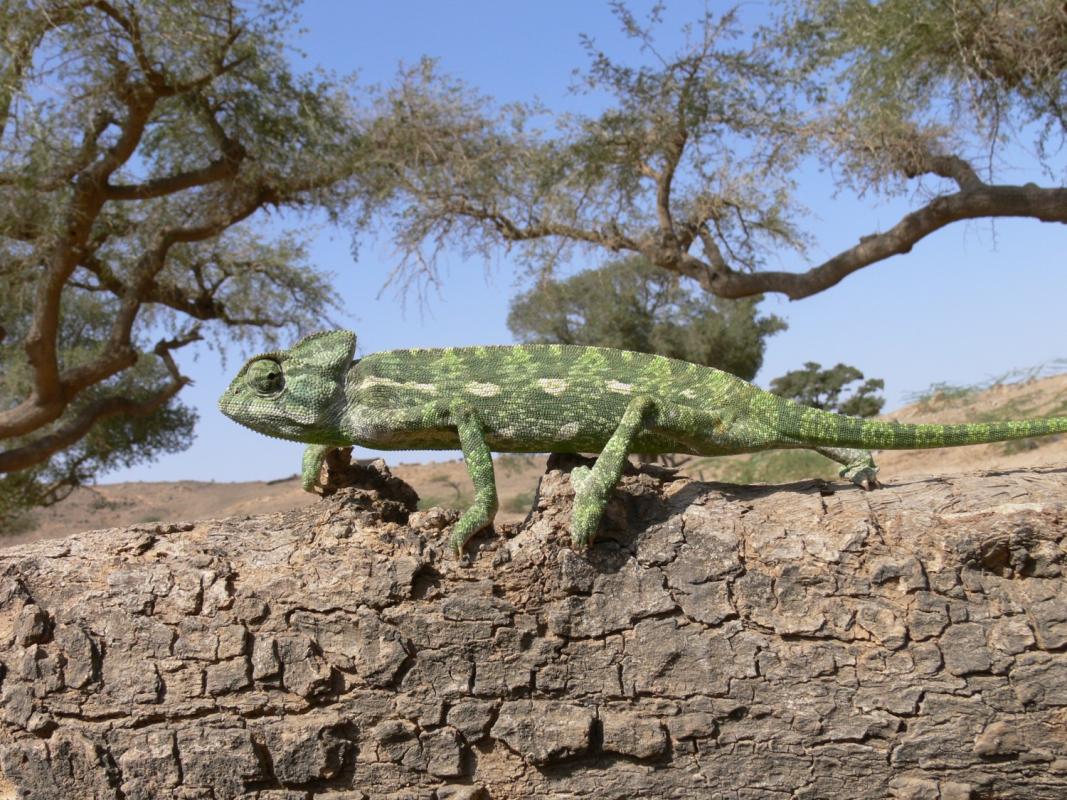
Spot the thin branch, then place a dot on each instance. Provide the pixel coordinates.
(119, 353)
(21, 55)
(43, 447)
(510, 231)
(39, 409)
(133, 30)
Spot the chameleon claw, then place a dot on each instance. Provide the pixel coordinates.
(585, 518)
(864, 478)
(861, 470)
(456, 544)
(474, 520)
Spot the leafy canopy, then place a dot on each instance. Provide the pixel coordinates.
(693, 156)
(142, 143)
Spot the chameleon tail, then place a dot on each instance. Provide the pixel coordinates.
(815, 427)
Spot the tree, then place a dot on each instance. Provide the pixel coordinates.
(138, 141)
(693, 161)
(823, 388)
(632, 305)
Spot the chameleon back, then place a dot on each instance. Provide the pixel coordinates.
(534, 398)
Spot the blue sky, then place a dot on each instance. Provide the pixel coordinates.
(969, 302)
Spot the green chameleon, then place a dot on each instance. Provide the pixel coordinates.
(552, 398)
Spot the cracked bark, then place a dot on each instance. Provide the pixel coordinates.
(805, 640)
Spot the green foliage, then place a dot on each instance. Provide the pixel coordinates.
(114, 441)
(630, 304)
(905, 80)
(831, 390)
(942, 394)
(704, 123)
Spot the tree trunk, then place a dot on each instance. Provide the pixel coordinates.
(795, 641)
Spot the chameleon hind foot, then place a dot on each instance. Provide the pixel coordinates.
(592, 486)
(474, 520)
(589, 505)
(480, 467)
(863, 473)
(858, 466)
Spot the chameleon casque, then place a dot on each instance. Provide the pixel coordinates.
(552, 398)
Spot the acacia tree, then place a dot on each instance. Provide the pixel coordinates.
(630, 304)
(693, 161)
(831, 389)
(138, 139)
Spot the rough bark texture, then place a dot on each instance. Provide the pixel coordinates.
(719, 641)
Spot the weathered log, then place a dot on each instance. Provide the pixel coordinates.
(800, 641)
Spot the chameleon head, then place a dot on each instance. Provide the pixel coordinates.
(295, 394)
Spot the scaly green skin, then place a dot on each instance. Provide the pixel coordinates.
(552, 398)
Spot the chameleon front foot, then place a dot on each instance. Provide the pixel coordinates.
(311, 465)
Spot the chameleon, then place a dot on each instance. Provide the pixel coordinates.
(537, 398)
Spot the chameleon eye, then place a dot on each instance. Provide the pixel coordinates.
(265, 376)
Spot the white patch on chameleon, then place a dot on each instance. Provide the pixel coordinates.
(483, 389)
(620, 388)
(373, 380)
(568, 431)
(689, 394)
(552, 385)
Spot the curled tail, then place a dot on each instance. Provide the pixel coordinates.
(815, 427)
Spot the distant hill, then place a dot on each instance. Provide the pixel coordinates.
(446, 483)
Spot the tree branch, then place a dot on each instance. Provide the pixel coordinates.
(948, 166)
(39, 409)
(218, 170)
(43, 447)
(133, 30)
(119, 351)
(85, 204)
(1028, 201)
(153, 77)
